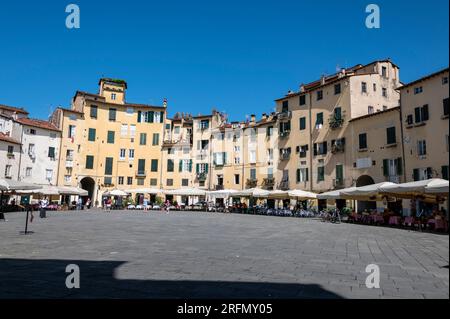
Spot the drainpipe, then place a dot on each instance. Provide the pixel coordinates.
(310, 144)
(20, 153)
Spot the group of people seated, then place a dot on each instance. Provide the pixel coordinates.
(435, 221)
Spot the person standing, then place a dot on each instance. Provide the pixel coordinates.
(88, 203)
(43, 208)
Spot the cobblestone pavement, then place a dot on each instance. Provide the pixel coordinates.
(207, 255)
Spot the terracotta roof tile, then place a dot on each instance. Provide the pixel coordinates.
(37, 123)
(9, 139)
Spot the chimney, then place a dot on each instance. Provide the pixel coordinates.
(322, 80)
(253, 118)
(302, 88)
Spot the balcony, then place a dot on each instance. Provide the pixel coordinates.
(141, 173)
(285, 134)
(69, 163)
(269, 182)
(338, 183)
(303, 154)
(219, 187)
(285, 156)
(202, 176)
(252, 183)
(287, 115)
(284, 185)
(337, 148)
(10, 155)
(336, 123)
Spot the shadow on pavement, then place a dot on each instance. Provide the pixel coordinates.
(27, 278)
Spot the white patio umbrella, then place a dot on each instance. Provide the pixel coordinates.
(225, 193)
(69, 190)
(116, 192)
(366, 192)
(186, 192)
(439, 187)
(8, 185)
(299, 194)
(152, 191)
(278, 194)
(252, 192)
(45, 190)
(336, 194)
(411, 189)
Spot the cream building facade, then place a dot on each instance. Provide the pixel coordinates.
(108, 142)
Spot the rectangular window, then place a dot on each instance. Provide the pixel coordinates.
(285, 107)
(391, 136)
(10, 150)
(444, 171)
(153, 182)
(154, 166)
(384, 71)
(418, 90)
(129, 180)
(107, 180)
(169, 182)
(155, 141)
(32, 131)
(364, 87)
(302, 123)
(122, 154)
(124, 130)
(89, 162)
(370, 109)
(93, 111)
(185, 182)
(140, 181)
(170, 165)
(48, 174)
(320, 173)
(302, 100)
(421, 114)
(112, 115)
(384, 92)
(120, 180)
(319, 120)
(129, 111)
(302, 175)
(339, 174)
(131, 154)
(141, 167)
(363, 141)
(110, 137)
(410, 119)
(338, 113)
(51, 152)
(320, 148)
(108, 166)
(113, 96)
(143, 139)
(71, 133)
(91, 134)
(252, 157)
(337, 89)
(28, 172)
(204, 124)
(446, 106)
(319, 95)
(132, 130)
(374, 87)
(421, 148)
(253, 174)
(8, 171)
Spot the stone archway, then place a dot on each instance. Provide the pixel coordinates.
(365, 180)
(87, 183)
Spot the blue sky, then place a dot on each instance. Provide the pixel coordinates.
(236, 56)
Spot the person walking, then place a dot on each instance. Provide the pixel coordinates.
(108, 204)
(88, 203)
(167, 206)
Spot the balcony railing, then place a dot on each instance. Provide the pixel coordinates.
(141, 173)
(284, 134)
(285, 156)
(269, 182)
(219, 187)
(287, 115)
(69, 163)
(202, 176)
(337, 148)
(338, 183)
(393, 179)
(284, 185)
(336, 123)
(251, 183)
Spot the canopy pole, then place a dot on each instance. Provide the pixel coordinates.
(2, 215)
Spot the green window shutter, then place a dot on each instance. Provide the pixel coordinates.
(141, 165)
(180, 166)
(155, 139)
(385, 167)
(302, 123)
(425, 113)
(51, 152)
(391, 137)
(215, 158)
(224, 158)
(429, 172)
(197, 168)
(91, 135)
(338, 113)
(416, 174)
(143, 139)
(89, 162)
(108, 165)
(206, 168)
(151, 116)
(399, 166)
(339, 172)
(154, 165)
(162, 117)
(139, 116)
(298, 175)
(110, 138)
(93, 111)
(319, 118)
(190, 166)
(445, 172)
(307, 174)
(112, 114)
